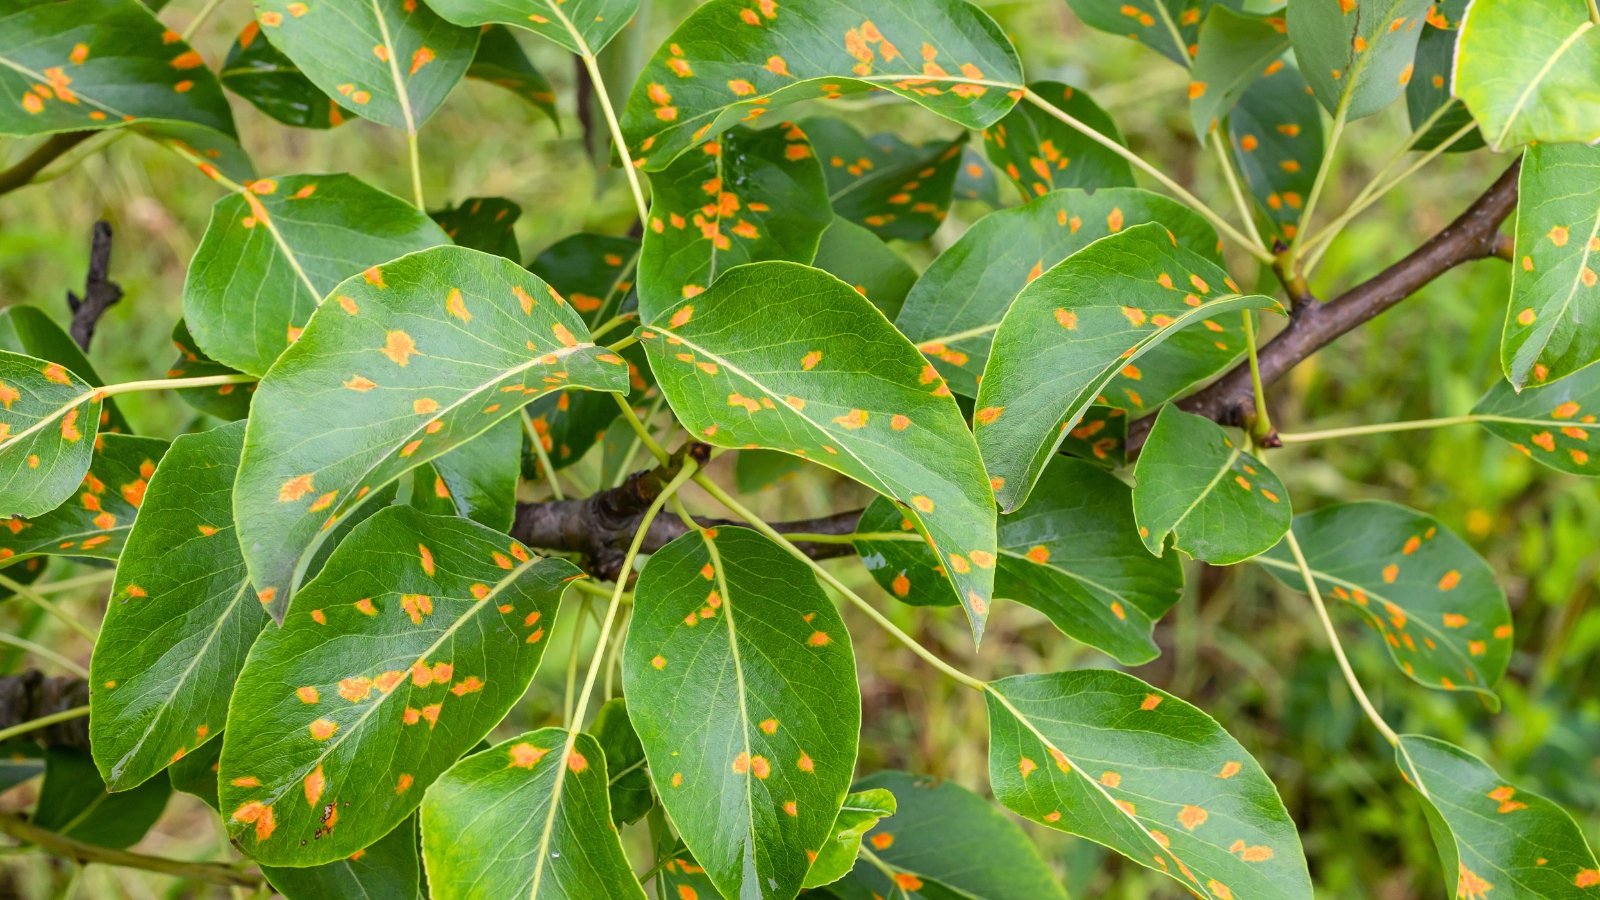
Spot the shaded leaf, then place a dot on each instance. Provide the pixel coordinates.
(229, 402)
(1491, 836)
(1434, 600)
(20, 760)
(944, 55)
(501, 61)
(1551, 424)
(1194, 484)
(1103, 755)
(388, 868)
(581, 26)
(1530, 71)
(30, 331)
(482, 223)
(1040, 153)
(1359, 54)
(629, 784)
(682, 877)
(757, 470)
(1275, 133)
(48, 421)
(896, 189)
(1100, 437)
(380, 678)
(1430, 89)
(196, 772)
(407, 362)
(749, 196)
(753, 771)
(94, 519)
(261, 74)
(861, 811)
(477, 480)
(860, 259)
(74, 803)
(271, 254)
(1086, 322)
(24, 573)
(954, 309)
(1555, 291)
(1170, 27)
(1235, 50)
(789, 358)
(976, 179)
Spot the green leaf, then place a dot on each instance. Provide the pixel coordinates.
(483, 223)
(1493, 838)
(83, 65)
(477, 480)
(272, 253)
(76, 804)
(526, 818)
(391, 61)
(380, 678)
(94, 523)
(749, 196)
(1430, 83)
(1358, 53)
(1073, 554)
(180, 619)
(48, 421)
(229, 402)
(1275, 133)
(1101, 437)
(1555, 291)
(976, 179)
(1551, 424)
(757, 470)
(1103, 755)
(20, 760)
(1041, 153)
(30, 331)
(789, 358)
(1170, 27)
(861, 811)
(1217, 502)
(501, 61)
(896, 189)
(681, 877)
(196, 772)
(956, 306)
(859, 258)
(1434, 600)
(24, 573)
(1530, 72)
(753, 767)
(261, 74)
(629, 784)
(1083, 324)
(947, 56)
(405, 363)
(1235, 50)
(388, 869)
(581, 26)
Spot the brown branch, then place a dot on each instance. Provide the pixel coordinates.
(61, 845)
(32, 695)
(100, 293)
(1475, 234)
(46, 153)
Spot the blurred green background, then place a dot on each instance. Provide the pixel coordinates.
(1240, 647)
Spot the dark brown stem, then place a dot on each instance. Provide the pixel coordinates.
(61, 845)
(46, 153)
(32, 695)
(100, 293)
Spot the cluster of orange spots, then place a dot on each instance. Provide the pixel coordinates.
(1587, 878)
(859, 42)
(662, 98)
(756, 765)
(354, 94)
(416, 606)
(412, 715)
(1469, 884)
(423, 674)
(322, 729)
(315, 784)
(260, 814)
(468, 685)
(1502, 795)
(525, 755)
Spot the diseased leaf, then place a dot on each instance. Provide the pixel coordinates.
(24, 573)
(1555, 291)
(1530, 71)
(976, 179)
(1234, 50)
(483, 223)
(229, 402)
(1434, 600)
(1171, 27)
(581, 26)
(406, 362)
(861, 811)
(271, 254)
(681, 873)
(1194, 484)
(1041, 153)
(74, 803)
(786, 357)
(196, 773)
(1357, 54)
(261, 74)
(733, 61)
(857, 257)
(1073, 553)
(748, 196)
(30, 331)
(388, 868)
(954, 309)
(896, 189)
(48, 421)
(1083, 324)
(501, 61)
(1101, 437)
(1103, 755)
(1551, 424)
(380, 678)
(93, 519)
(753, 769)
(477, 480)
(629, 783)
(1493, 838)
(1429, 88)
(1275, 133)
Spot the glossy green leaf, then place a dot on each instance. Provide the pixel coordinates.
(1530, 71)
(1040, 153)
(1494, 839)
(94, 519)
(1555, 291)
(1275, 132)
(859, 258)
(229, 402)
(896, 189)
(741, 682)
(74, 803)
(789, 358)
(180, 619)
(1103, 755)
(519, 820)
(380, 678)
(1552, 424)
(483, 223)
(389, 869)
(747, 196)
(261, 74)
(581, 26)
(1171, 27)
(501, 61)
(83, 65)
(30, 331)
(861, 811)
(272, 253)
(1434, 600)
(1429, 88)
(956, 306)
(48, 421)
(406, 362)
(1073, 553)
(1358, 54)
(1235, 50)
(629, 783)
(734, 60)
(1197, 486)
(477, 480)
(391, 61)
(1083, 324)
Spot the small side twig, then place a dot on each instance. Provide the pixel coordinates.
(100, 293)
(46, 153)
(61, 845)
